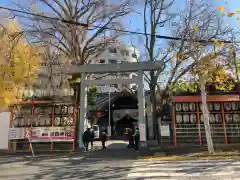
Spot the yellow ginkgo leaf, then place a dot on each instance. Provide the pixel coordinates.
(230, 14)
(220, 8)
(238, 18)
(175, 54)
(223, 14)
(89, 25)
(6, 100)
(195, 27)
(238, 11)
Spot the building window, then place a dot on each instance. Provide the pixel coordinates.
(112, 61)
(125, 53)
(114, 85)
(134, 87)
(112, 50)
(101, 61)
(134, 55)
(43, 64)
(134, 76)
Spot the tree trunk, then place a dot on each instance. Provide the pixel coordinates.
(206, 116)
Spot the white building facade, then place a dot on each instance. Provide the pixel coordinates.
(116, 55)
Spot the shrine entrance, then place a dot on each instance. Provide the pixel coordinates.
(138, 68)
(125, 122)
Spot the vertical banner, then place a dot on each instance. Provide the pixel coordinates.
(142, 130)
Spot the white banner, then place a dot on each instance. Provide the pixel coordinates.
(16, 133)
(142, 130)
(165, 131)
(44, 134)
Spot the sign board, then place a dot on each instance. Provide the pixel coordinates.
(165, 131)
(12, 133)
(142, 130)
(44, 134)
(16, 133)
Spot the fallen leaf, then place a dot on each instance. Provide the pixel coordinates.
(230, 14)
(195, 27)
(238, 11)
(220, 8)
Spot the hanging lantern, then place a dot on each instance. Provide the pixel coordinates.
(25, 93)
(71, 92)
(38, 93)
(98, 114)
(64, 91)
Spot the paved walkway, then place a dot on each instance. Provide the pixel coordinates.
(184, 170)
(116, 162)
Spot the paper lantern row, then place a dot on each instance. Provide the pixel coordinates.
(213, 118)
(43, 121)
(228, 106)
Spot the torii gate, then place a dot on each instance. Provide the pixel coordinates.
(136, 67)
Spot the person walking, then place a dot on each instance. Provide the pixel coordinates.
(137, 139)
(103, 139)
(87, 138)
(130, 138)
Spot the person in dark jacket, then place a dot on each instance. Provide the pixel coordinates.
(130, 138)
(137, 139)
(87, 138)
(103, 139)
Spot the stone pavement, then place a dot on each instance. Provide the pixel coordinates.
(65, 168)
(184, 170)
(117, 163)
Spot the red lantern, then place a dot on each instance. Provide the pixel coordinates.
(98, 114)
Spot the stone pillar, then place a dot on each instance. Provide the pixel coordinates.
(150, 122)
(141, 109)
(83, 109)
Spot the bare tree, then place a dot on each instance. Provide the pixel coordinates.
(81, 29)
(203, 24)
(177, 57)
(153, 19)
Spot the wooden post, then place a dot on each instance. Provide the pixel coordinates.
(74, 125)
(29, 136)
(30, 148)
(224, 124)
(174, 125)
(10, 126)
(199, 124)
(53, 111)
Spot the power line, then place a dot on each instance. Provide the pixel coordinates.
(114, 29)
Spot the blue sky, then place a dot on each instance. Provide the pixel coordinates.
(135, 21)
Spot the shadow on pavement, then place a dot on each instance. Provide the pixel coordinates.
(110, 163)
(114, 151)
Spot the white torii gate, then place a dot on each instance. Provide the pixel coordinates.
(139, 68)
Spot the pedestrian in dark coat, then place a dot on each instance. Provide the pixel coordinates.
(87, 138)
(130, 138)
(137, 139)
(103, 139)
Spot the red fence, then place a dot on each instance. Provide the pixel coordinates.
(188, 124)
